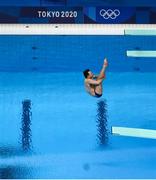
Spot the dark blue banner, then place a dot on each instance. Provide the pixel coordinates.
(39, 3)
(78, 15)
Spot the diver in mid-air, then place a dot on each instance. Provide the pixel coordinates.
(93, 83)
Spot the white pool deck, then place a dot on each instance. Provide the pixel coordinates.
(77, 29)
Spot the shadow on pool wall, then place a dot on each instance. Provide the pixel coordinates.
(17, 171)
(101, 122)
(26, 138)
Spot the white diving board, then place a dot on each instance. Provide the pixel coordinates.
(140, 32)
(134, 132)
(147, 54)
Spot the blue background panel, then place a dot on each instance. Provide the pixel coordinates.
(77, 2)
(85, 15)
(142, 17)
(113, 2)
(20, 3)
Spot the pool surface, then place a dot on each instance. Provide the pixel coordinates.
(51, 128)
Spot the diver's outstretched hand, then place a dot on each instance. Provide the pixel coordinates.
(105, 63)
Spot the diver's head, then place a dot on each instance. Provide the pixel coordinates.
(88, 74)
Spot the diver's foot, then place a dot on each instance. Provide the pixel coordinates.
(105, 62)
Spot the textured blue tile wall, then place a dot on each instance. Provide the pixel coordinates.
(74, 53)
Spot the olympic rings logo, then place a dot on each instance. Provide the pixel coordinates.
(109, 14)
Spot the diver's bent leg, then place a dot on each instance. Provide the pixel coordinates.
(102, 73)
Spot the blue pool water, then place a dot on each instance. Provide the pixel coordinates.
(51, 128)
(74, 53)
(68, 133)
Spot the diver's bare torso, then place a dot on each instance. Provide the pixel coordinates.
(89, 88)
